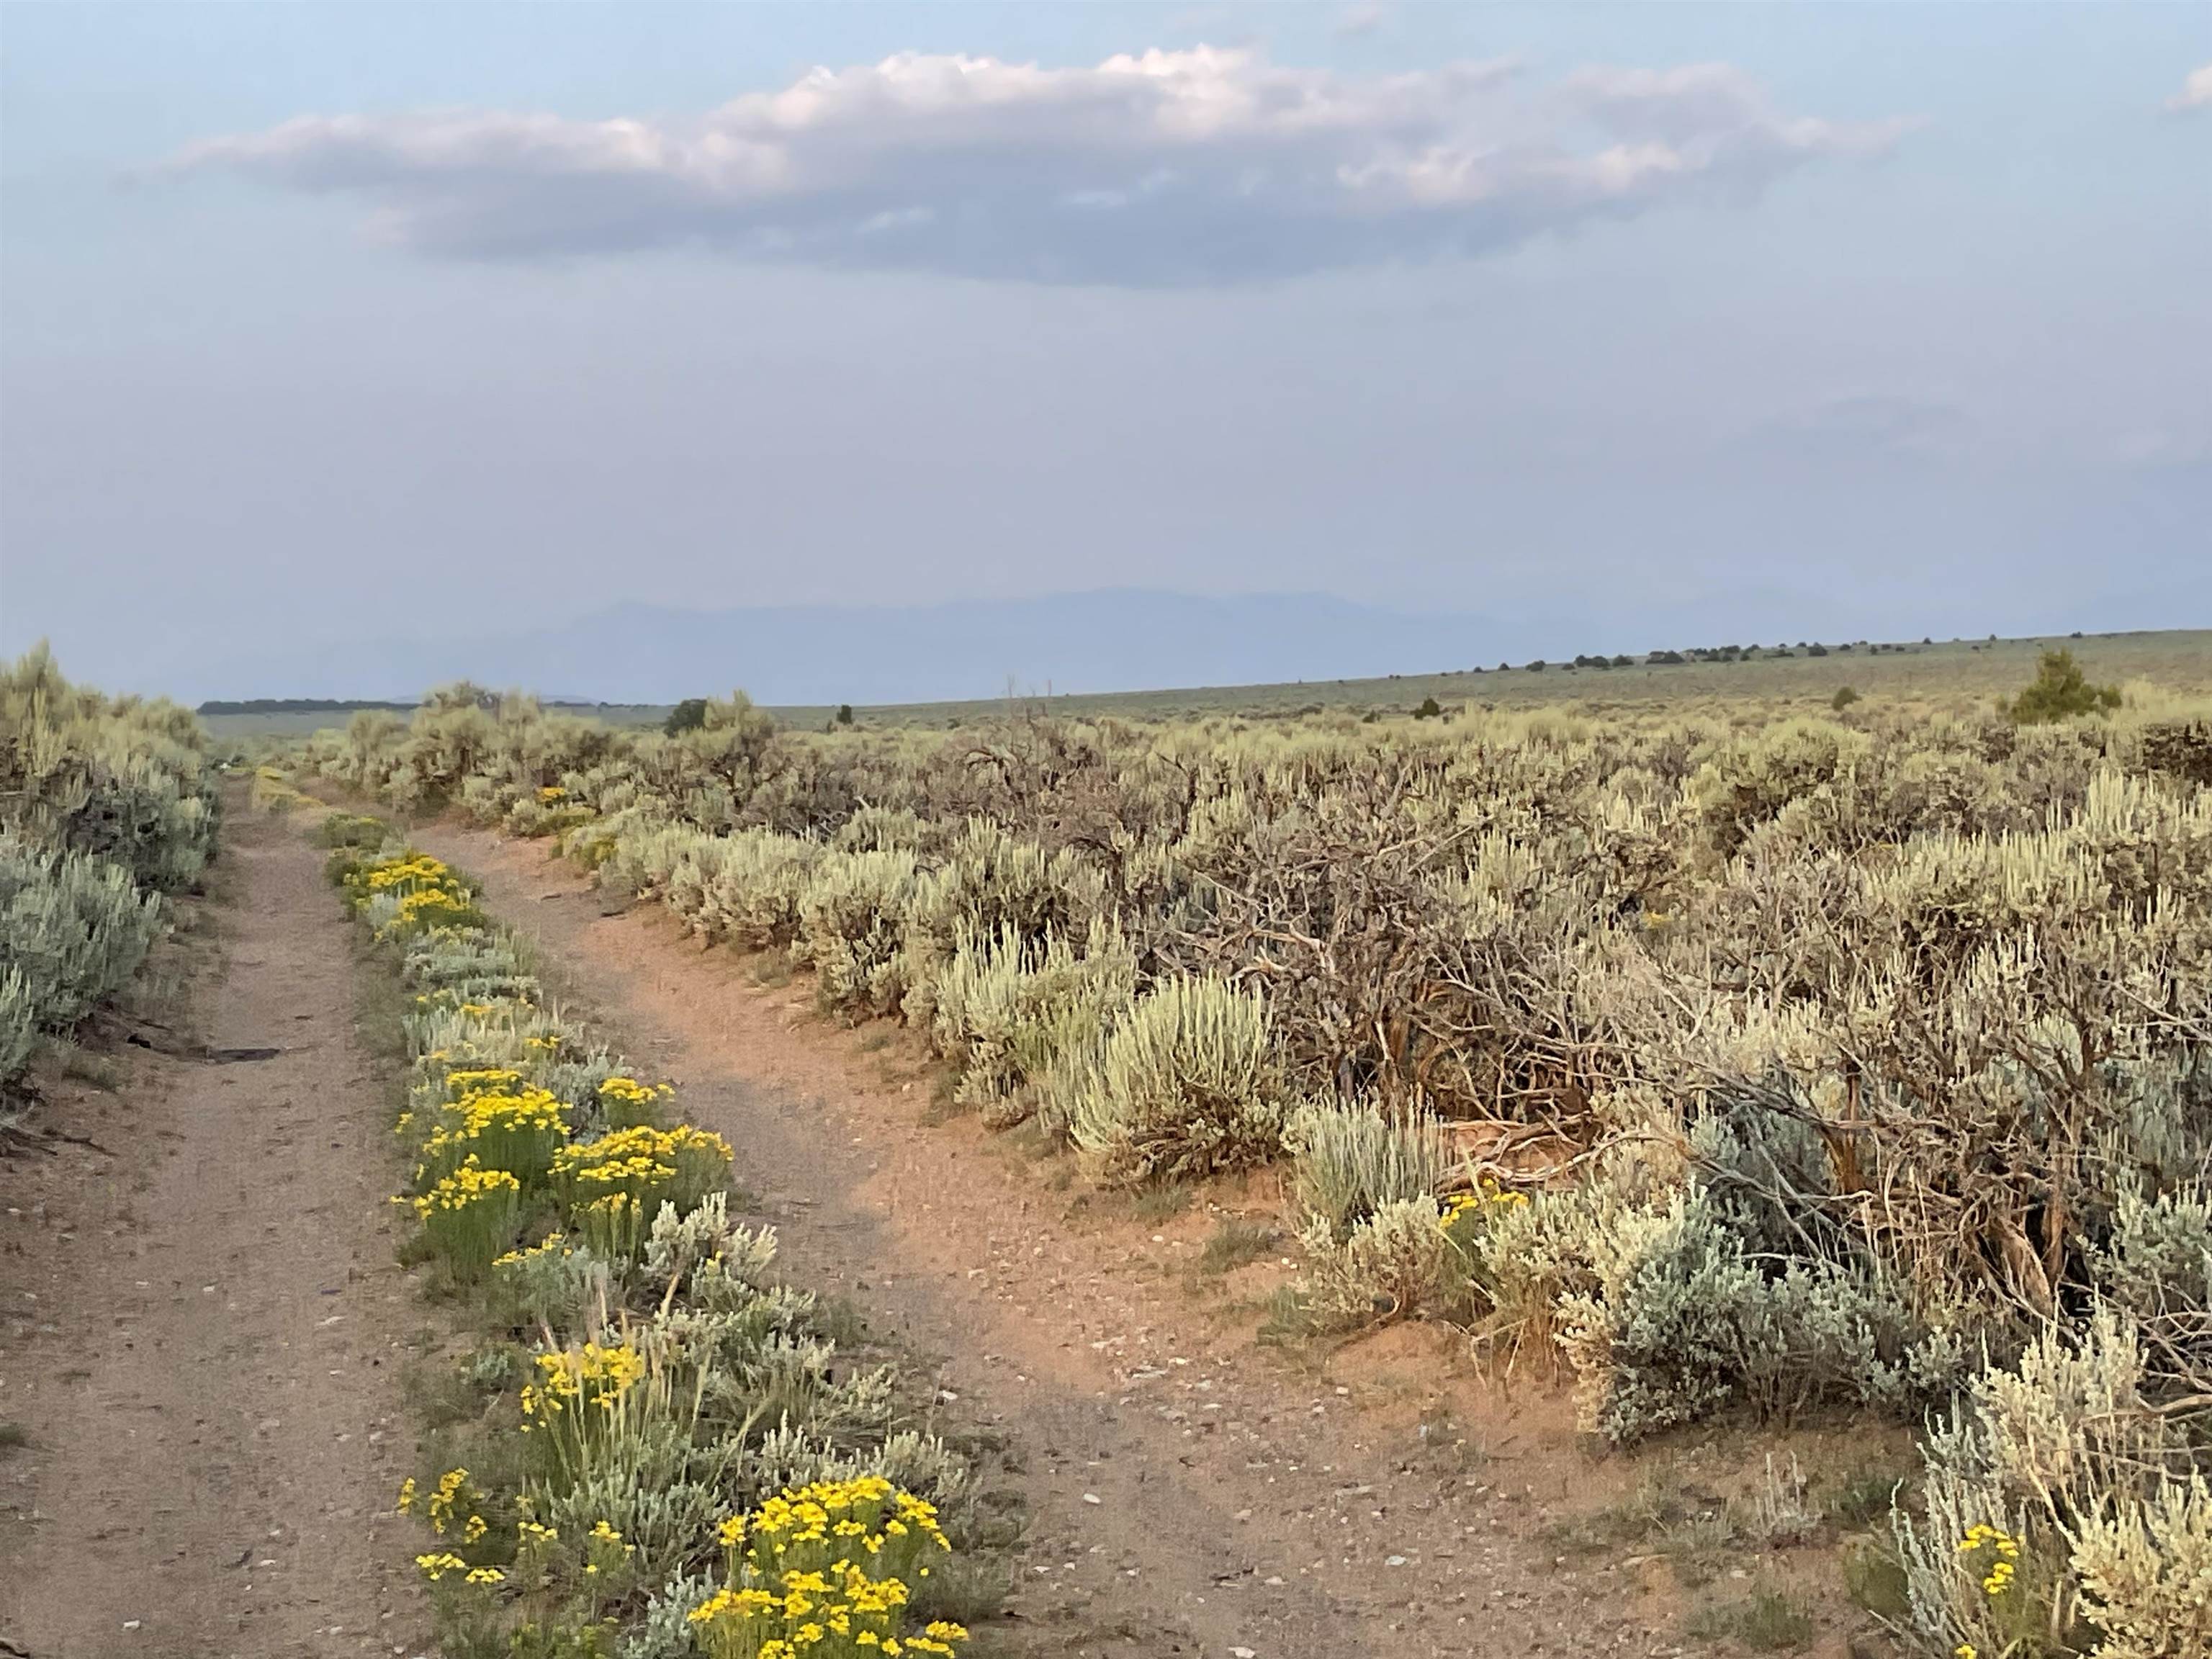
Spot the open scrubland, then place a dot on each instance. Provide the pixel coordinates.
(1742, 1064)
(1753, 1074)
(1950, 676)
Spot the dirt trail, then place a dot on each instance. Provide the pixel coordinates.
(1189, 1494)
(201, 1325)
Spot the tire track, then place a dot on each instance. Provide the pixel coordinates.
(211, 1379)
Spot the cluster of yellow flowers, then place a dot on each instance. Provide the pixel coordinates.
(436, 1565)
(646, 1163)
(631, 1090)
(604, 1164)
(828, 1613)
(1488, 1196)
(450, 1498)
(430, 896)
(469, 1214)
(593, 1375)
(2005, 1547)
(545, 1246)
(825, 1570)
(427, 907)
(627, 1101)
(409, 869)
(469, 1184)
(841, 1508)
(517, 1132)
(463, 1082)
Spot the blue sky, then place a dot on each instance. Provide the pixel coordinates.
(1811, 320)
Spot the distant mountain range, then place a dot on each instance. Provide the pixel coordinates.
(1119, 639)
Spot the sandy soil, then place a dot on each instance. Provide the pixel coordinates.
(1189, 1492)
(199, 1320)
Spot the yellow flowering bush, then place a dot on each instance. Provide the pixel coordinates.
(519, 1132)
(682, 1164)
(593, 1375)
(405, 874)
(627, 1101)
(826, 1570)
(469, 1216)
(462, 1084)
(589, 1401)
(407, 894)
(450, 1498)
(420, 911)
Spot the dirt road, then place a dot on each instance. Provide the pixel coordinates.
(1189, 1494)
(200, 1321)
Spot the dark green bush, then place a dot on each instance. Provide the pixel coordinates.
(2060, 691)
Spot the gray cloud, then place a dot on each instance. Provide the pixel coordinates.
(1168, 168)
(2196, 92)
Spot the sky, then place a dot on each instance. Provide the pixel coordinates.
(449, 322)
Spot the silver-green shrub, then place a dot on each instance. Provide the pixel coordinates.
(2156, 1267)
(1186, 1085)
(753, 890)
(852, 917)
(1003, 1005)
(1391, 1263)
(106, 805)
(2065, 1468)
(1351, 1159)
(1679, 1316)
